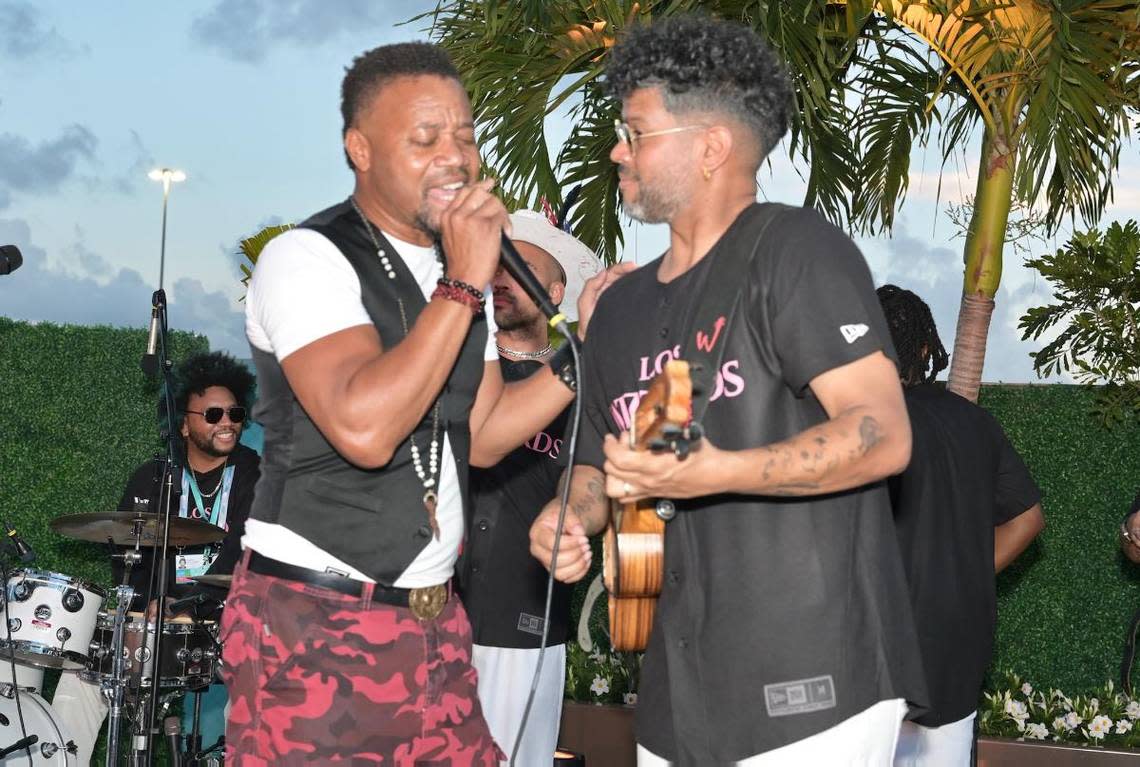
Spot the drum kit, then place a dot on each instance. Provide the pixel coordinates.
(55, 621)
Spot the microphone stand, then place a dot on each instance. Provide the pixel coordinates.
(146, 719)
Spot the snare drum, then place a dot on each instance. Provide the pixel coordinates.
(51, 617)
(54, 747)
(189, 650)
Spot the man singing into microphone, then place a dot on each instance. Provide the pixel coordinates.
(379, 386)
(212, 394)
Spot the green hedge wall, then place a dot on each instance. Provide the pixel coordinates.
(1065, 605)
(77, 415)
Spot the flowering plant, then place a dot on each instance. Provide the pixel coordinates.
(595, 672)
(602, 675)
(1106, 718)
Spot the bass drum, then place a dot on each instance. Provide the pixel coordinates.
(54, 747)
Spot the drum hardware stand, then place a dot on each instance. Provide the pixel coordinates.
(9, 657)
(146, 724)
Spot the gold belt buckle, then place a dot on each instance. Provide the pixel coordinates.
(427, 603)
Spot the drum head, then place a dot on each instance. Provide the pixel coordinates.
(39, 719)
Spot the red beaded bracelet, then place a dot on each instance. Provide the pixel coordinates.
(459, 295)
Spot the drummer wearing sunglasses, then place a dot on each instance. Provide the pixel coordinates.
(211, 395)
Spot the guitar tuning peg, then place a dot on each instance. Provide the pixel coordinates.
(671, 432)
(658, 445)
(694, 431)
(681, 449)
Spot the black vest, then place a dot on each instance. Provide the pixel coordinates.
(373, 519)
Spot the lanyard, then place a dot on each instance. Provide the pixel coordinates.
(219, 513)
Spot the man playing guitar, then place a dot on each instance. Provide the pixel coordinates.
(783, 634)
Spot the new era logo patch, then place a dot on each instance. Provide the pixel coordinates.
(852, 333)
(800, 697)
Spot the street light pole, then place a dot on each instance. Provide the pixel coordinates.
(166, 176)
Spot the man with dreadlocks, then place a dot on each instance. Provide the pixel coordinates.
(965, 507)
(212, 393)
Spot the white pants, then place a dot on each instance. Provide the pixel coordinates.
(946, 746)
(82, 708)
(865, 740)
(505, 676)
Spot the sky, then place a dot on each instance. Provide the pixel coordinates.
(243, 96)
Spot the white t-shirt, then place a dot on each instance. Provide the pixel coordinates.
(304, 289)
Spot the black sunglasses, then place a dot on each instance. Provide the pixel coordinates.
(214, 414)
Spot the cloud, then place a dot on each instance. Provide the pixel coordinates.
(245, 30)
(119, 298)
(42, 168)
(139, 160)
(213, 313)
(23, 34)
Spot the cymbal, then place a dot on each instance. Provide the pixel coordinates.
(120, 527)
(221, 581)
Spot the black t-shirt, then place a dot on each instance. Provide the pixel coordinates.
(779, 617)
(142, 489)
(502, 585)
(963, 480)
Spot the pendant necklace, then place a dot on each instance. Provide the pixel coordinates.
(428, 478)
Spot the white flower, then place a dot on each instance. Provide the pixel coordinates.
(1133, 709)
(1099, 727)
(598, 656)
(1094, 705)
(1036, 731)
(1123, 726)
(600, 686)
(1059, 724)
(629, 698)
(1027, 689)
(1016, 710)
(615, 660)
(1072, 719)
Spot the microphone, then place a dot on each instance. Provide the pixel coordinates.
(150, 359)
(187, 603)
(173, 729)
(10, 259)
(20, 745)
(19, 545)
(511, 260)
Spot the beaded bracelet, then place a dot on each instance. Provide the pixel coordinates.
(467, 288)
(459, 295)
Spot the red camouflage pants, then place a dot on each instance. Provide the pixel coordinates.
(315, 677)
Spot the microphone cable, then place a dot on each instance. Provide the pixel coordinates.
(575, 420)
(11, 653)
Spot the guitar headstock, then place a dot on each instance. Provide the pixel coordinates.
(664, 416)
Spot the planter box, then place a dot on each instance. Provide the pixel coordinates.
(1001, 752)
(603, 734)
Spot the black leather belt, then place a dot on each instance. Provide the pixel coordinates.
(426, 602)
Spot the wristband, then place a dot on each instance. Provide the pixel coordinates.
(562, 365)
(459, 296)
(466, 287)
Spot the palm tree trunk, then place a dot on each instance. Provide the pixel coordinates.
(983, 252)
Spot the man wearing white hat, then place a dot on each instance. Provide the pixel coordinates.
(502, 585)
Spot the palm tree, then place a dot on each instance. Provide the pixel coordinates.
(1051, 84)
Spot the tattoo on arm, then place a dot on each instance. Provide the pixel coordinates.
(592, 506)
(870, 433)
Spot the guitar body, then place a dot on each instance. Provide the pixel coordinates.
(633, 548)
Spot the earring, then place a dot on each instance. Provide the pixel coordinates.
(707, 173)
